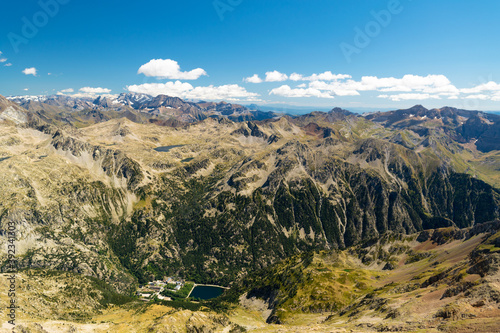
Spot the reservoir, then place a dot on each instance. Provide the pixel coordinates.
(206, 292)
(166, 149)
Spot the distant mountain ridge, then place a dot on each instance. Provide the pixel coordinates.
(462, 125)
(160, 108)
(481, 128)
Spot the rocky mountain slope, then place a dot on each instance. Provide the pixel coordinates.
(12, 113)
(462, 125)
(442, 280)
(127, 202)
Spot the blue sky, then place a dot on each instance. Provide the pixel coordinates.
(375, 54)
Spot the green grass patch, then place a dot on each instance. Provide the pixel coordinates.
(181, 293)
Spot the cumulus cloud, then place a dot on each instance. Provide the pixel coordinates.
(253, 79)
(2, 60)
(414, 96)
(65, 91)
(431, 83)
(318, 85)
(489, 86)
(169, 69)
(231, 92)
(88, 95)
(26, 89)
(326, 76)
(410, 86)
(286, 91)
(8, 64)
(90, 90)
(495, 97)
(296, 77)
(479, 96)
(174, 89)
(336, 88)
(276, 76)
(328, 84)
(30, 71)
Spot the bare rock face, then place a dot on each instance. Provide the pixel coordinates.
(112, 162)
(12, 112)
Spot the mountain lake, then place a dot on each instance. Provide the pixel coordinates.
(206, 292)
(166, 149)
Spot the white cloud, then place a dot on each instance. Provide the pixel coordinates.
(296, 77)
(337, 88)
(65, 91)
(90, 90)
(175, 89)
(489, 86)
(286, 91)
(496, 97)
(8, 64)
(327, 76)
(414, 96)
(90, 95)
(26, 89)
(30, 71)
(430, 83)
(253, 79)
(321, 85)
(3, 59)
(328, 84)
(479, 96)
(169, 69)
(276, 76)
(231, 92)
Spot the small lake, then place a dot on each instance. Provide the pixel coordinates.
(206, 292)
(166, 149)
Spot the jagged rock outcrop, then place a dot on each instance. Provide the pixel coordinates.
(112, 162)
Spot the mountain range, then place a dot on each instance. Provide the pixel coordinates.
(123, 191)
(136, 107)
